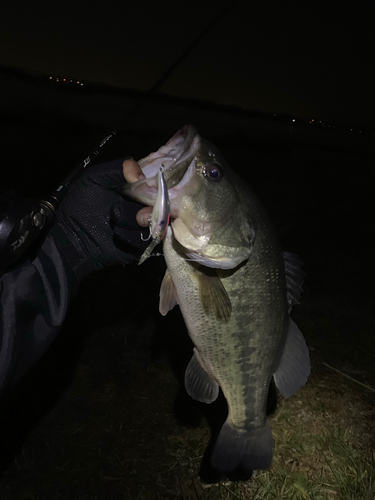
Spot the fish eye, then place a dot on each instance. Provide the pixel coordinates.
(214, 172)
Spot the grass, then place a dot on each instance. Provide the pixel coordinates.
(112, 434)
(324, 448)
(321, 452)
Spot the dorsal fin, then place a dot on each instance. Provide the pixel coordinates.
(294, 277)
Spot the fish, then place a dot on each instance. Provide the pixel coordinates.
(235, 288)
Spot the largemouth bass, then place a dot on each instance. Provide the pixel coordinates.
(235, 289)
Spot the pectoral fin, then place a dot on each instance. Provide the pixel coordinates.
(213, 296)
(294, 366)
(167, 295)
(199, 385)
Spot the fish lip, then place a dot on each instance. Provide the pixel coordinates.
(215, 263)
(184, 132)
(175, 157)
(173, 152)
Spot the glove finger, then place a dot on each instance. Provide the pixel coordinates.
(109, 175)
(123, 214)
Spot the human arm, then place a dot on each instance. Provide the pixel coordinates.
(34, 297)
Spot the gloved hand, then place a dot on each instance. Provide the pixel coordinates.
(95, 227)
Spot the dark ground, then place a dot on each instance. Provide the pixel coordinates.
(102, 414)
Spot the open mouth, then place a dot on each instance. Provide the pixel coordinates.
(176, 158)
(165, 156)
(175, 151)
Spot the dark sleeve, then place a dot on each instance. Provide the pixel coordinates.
(33, 303)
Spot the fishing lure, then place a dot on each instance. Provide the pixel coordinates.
(159, 218)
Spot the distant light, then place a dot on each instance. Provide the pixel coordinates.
(293, 120)
(50, 77)
(81, 84)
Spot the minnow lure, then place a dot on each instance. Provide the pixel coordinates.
(159, 218)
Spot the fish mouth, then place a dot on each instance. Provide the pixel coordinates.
(176, 158)
(170, 153)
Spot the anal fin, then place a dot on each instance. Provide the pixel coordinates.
(294, 366)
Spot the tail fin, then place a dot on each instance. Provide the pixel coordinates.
(249, 449)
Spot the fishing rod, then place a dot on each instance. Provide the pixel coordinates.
(24, 224)
(23, 227)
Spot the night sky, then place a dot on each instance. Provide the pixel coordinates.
(312, 59)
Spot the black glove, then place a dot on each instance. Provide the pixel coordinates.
(95, 227)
